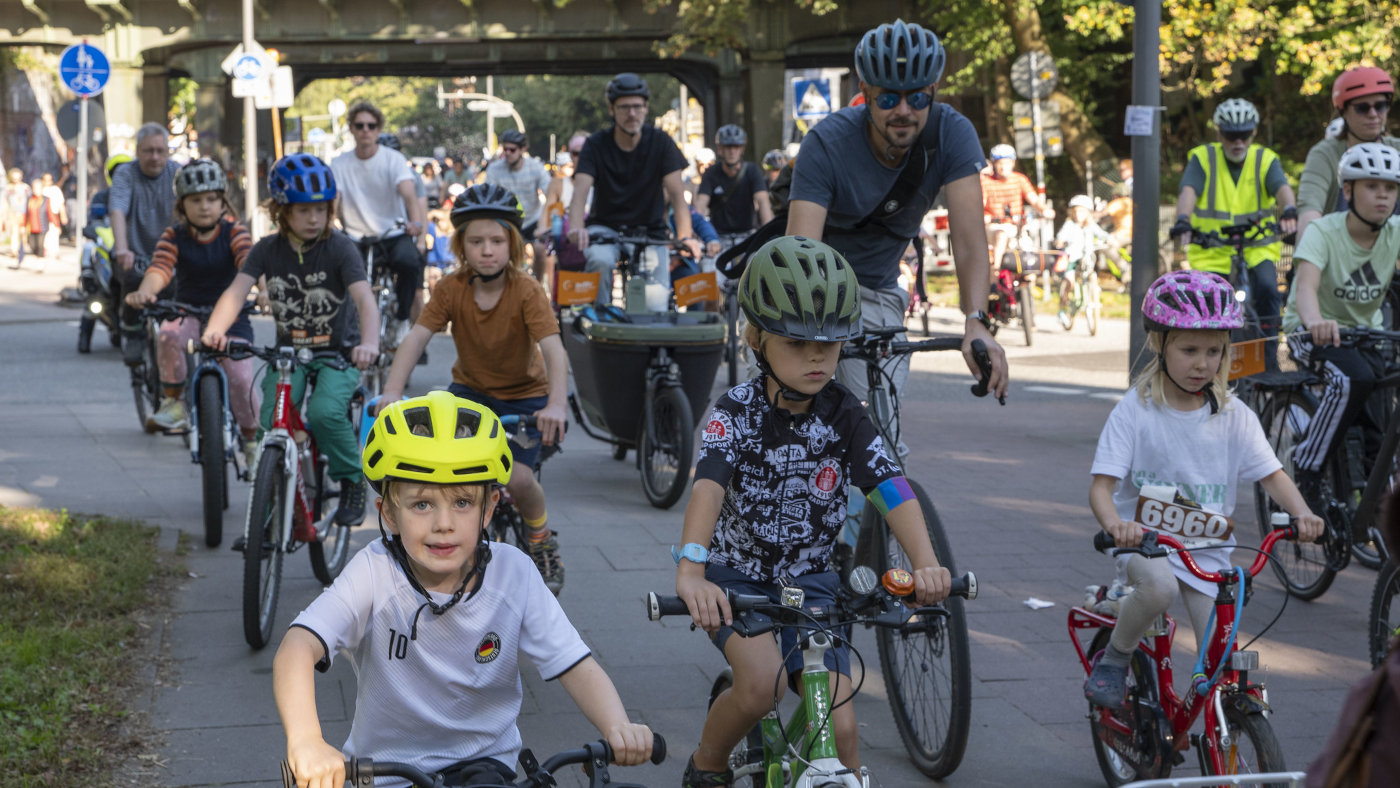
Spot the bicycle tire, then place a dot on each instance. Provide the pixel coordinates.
(213, 457)
(1023, 294)
(1093, 303)
(138, 393)
(667, 446)
(507, 526)
(935, 738)
(749, 750)
(1303, 567)
(262, 549)
(1254, 748)
(1384, 622)
(86, 324)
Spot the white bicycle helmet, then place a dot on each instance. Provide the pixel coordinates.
(1002, 151)
(1236, 115)
(1370, 160)
(1082, 201)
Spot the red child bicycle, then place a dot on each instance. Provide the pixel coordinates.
(1145, 737)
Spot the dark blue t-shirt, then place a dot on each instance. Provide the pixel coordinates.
(837, 170)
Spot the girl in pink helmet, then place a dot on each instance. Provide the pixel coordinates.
(1182, 434)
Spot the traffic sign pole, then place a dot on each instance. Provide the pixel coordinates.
(82, 162)
(85, 70)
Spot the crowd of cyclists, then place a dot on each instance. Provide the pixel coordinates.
(823, 241)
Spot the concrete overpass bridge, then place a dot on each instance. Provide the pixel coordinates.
(152, 41)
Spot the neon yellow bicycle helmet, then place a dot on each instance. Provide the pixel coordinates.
(115, 161)
(802, 289)
(438, 438)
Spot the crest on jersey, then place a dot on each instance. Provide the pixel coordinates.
(489, 648)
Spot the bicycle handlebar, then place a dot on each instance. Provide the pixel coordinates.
(755, 614)
(164, 309)
(1155, 543)
(362, 771)
(239, 350)
(1363, 334)
(878, 343)
(1236, 235)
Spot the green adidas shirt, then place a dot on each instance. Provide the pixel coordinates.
(1354, 280)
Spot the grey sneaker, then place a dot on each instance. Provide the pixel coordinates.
(171, 416)
(546, 555)
(352, 503)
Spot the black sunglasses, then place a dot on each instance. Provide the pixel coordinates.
(1362, 108)
(889, 99)
(365, 126)
(1236, 136)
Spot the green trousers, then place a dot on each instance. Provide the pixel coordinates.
(326, 413)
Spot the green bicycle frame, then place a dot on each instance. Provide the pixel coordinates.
(809, 727)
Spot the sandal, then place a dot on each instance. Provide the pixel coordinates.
(1107, 685)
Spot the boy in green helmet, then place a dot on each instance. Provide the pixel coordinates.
(769, 499)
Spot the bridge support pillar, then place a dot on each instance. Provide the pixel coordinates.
(212, 108)
(765, 75)
(155, 94)
(121, 100)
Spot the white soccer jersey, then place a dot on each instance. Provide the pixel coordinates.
(454, 693)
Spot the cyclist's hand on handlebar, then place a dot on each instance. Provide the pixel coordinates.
(932, 584)
(125, 258)
(1325, 332)
(316, 764)
(996, 384)
(549, 420)
(579, 237)
(1309, 527)
(709, 607)
(713, 248)
(138, 299)
(630, 743)
(1125, 534)
(1181, 231)
(365, 354)
(214, 339)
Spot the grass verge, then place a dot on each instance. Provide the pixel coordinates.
(75, 589)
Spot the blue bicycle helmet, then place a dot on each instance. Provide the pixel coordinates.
(301, 178)
(899, 56)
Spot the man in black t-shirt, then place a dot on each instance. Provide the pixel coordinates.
(632, 169)
(733, 193)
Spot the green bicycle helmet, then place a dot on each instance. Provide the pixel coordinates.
(801, 289)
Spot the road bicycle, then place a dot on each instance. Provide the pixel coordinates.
(291, 504)
(1353, 482)
(1145, 737)
(1080, 292)
(927, 671)
(802, 753)
(594, 757)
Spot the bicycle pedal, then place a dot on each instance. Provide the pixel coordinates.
(239, 544)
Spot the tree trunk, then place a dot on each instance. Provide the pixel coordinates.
(1082, 142)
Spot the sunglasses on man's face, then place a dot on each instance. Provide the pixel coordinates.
(365, 126)
(1236, 136)
(889, 99)
(509, 149)
(1363, 108)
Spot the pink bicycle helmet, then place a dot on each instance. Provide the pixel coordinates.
(1191, 300)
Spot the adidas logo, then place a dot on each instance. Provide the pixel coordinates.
(1362, 286)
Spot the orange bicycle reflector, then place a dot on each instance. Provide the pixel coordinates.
(898, 582)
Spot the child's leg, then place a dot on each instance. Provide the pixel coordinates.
(1199, 606)
(170, 352)
(241, 396)
(757, 667)
(326, 415)
(1154, 587)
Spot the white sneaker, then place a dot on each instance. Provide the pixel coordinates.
(171, 417)
(250, 457)
(401, 329)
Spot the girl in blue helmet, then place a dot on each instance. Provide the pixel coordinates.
(311, 271)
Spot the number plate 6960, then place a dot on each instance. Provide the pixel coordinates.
(1183, 521)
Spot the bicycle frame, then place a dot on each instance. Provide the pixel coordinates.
(1232, 686)
(290, 431)
(209, 366)
(799, 753)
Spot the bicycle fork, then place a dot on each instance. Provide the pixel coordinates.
(817, 765)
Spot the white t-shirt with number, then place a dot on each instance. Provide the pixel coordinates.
(370, 202)
(1205, 457)
(454, 693)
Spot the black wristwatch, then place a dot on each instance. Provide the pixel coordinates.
(981, 317)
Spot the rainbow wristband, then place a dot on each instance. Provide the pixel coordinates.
(890, 493)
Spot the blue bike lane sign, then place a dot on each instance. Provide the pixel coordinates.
(84, 69)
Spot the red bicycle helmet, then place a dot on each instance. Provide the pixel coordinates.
(1357, 82)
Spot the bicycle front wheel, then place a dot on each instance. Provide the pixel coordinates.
(667, 447)
(1385, 614)
(213, 457)
(927, 671)
(262, 550)
(1303, 567)
(1093, 303)
(1027, 313)
(1254, 749)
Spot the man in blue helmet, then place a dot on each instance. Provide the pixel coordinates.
(870, 172)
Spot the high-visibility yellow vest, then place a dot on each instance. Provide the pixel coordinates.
(1224, 202)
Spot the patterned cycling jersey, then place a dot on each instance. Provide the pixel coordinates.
(785, 477)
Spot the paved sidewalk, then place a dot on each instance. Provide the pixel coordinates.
(1010, 483)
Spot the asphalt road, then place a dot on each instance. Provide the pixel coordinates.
(1010, 484)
